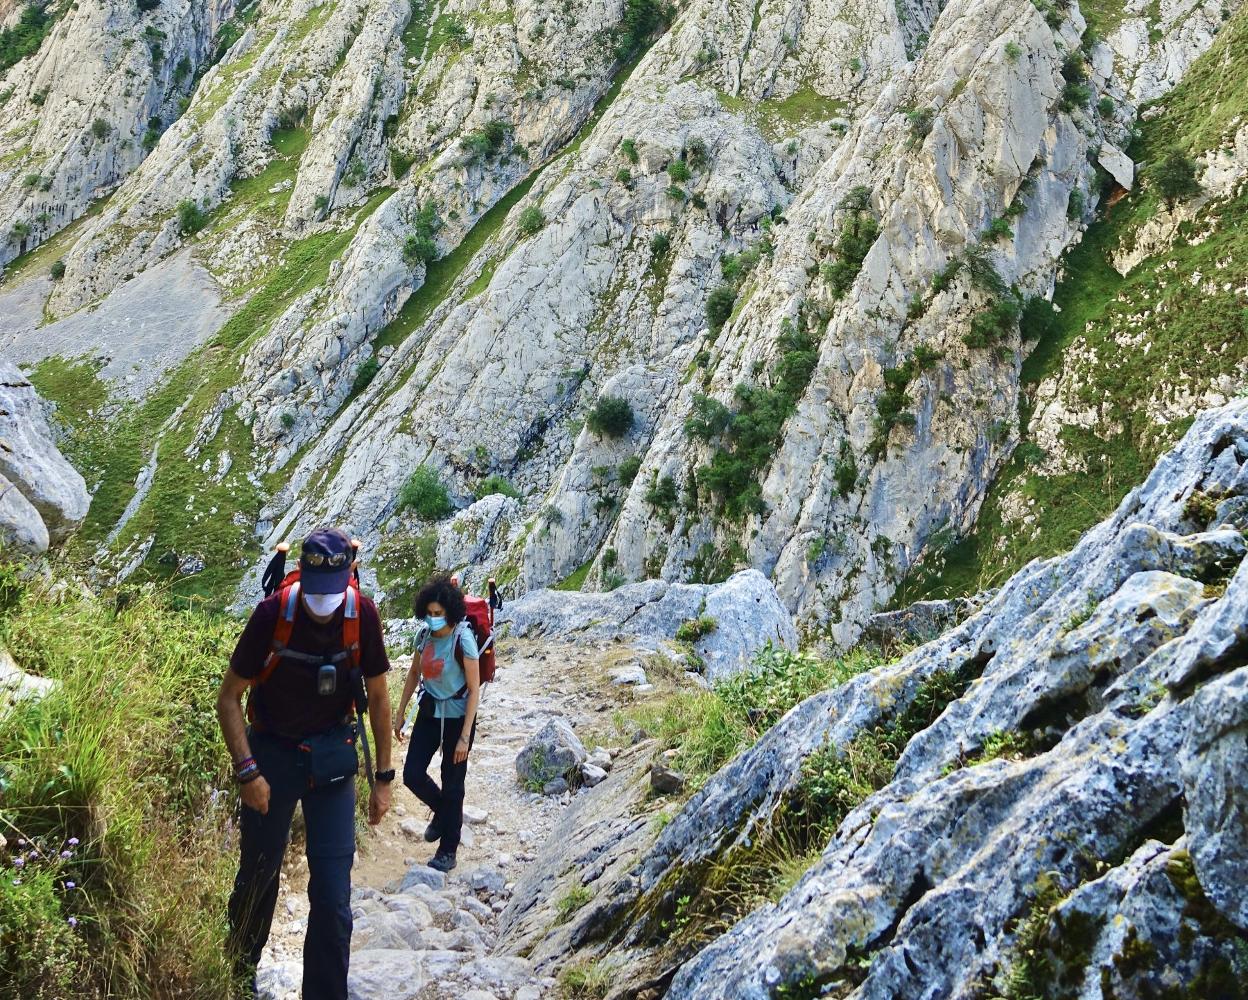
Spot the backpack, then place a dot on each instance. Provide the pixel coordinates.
(481, 618)
(288, 604)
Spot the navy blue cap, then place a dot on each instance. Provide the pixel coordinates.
(328, 544)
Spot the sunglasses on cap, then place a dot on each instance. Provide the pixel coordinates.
(317, 559)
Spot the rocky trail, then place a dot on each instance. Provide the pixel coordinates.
(418, 933)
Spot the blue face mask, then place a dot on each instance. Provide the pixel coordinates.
(435, 623)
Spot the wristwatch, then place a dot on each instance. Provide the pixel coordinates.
(385, 777)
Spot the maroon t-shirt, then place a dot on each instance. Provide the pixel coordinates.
(288, 703)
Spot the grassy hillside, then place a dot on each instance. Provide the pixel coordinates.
(1147, 342)
(115, 848)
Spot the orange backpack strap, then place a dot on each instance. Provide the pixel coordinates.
(351, 624)
(288, 604)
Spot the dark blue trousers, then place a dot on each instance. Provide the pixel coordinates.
(330, 818)
(428, 735)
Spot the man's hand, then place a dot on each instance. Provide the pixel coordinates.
(398, 726)
(255, 795)
(378, 802)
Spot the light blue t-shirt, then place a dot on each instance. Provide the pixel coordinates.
(441, 673)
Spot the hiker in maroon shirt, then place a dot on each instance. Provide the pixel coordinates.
(300, 747)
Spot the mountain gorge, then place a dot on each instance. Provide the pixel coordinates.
(797, 240)
(726, 336)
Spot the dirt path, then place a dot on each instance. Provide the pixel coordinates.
(504, 827)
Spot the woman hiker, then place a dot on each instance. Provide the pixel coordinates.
(446, 666)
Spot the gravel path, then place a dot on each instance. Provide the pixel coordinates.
(419, 934)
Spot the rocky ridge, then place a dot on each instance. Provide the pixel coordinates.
(1071, 771)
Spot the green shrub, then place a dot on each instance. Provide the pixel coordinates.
(57, 270)
(719, 306)
(1038, 320)
(101, 129)
(981, 271)
(487, 142)
(367, 372)
(628, 470)
(999, 229)
(1075, 96)
(662, 495)
(629, 150)
(531, 220)
(321, 202)
(1174, 178)
(709, 418)
(992, 325)
(24, 37)
(31, 180)
(696, 628)
(845, 472)
(756, 424)
(1075, 204)
(191, 219)
(920, 122)
(424, 493)
(660, 243)
(624, 175)
(641, 20)
(495, 484)
(421, 247)
(612, 416)
(679, 171)
(1105, 107)
(853, 244)
(676, 193)
(19, 231)
(1013, 51)
(118, 766)
(400, 163)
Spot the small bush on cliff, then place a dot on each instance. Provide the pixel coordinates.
(425, 494)
(191, 218)
(612, 416)
(1174, 178)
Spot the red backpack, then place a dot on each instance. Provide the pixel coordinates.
(481, 617)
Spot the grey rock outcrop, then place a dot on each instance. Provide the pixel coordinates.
(922, 621)
(743, 614)
(554, 754)
(1117, 669)
(32, 465)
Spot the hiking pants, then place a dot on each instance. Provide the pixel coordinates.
(329, 815)
(447, 802)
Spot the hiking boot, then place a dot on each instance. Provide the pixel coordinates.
(443, 861)
(432, 832)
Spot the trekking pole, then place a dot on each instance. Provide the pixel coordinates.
(361, 706)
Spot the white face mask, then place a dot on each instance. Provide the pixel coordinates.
(323, 604)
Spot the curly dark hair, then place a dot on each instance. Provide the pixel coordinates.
(440, 589)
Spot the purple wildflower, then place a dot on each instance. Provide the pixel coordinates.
(72, 921)
(67, 854)
(19, 862)
(17, 881)
(70, 885)
(73, 841)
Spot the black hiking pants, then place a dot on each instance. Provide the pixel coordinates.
(447, 802)
(329, 815)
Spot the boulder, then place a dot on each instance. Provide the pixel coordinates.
(31, 462)
(17, 685)
(592, 774)
(921, 621)
(21, 527)
(553, 753)
(393, 973)
(742, 615)
(666, 781)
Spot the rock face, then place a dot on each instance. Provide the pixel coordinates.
(42, 496)
(455, 231)
(1068, 800)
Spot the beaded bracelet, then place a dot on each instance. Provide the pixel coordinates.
(246, 770)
